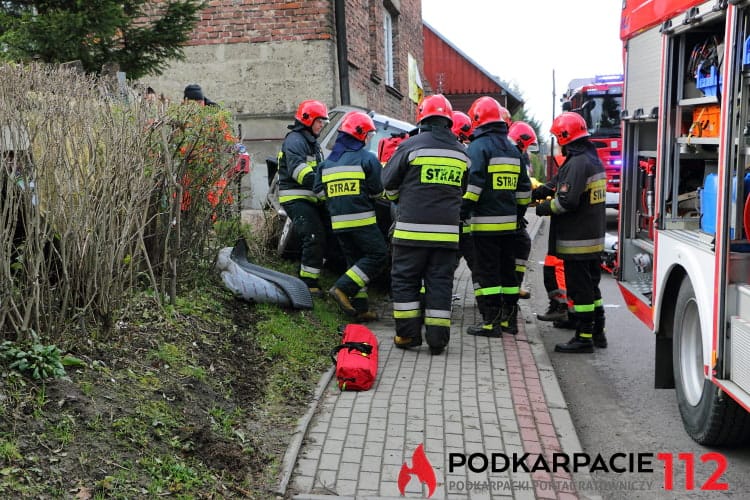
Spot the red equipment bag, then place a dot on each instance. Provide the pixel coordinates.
(387, 146)
(356, 358)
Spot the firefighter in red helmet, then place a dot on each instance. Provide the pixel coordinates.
(349, 182)
(298, 160)
(497, 196)
(578, 214)
(524, 137)
(462, 127)
(426, 177)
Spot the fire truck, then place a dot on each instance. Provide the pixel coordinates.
(599, 100)
(684, 254)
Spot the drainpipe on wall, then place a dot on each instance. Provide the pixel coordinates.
(341, 49)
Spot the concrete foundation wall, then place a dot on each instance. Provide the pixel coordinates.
(262, 85)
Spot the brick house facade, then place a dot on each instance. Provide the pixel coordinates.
(261, 58)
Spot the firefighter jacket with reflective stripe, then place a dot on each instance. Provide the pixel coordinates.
(499, 189)
(579, 208)
(426, 176)
(299, 158)
(350, 186)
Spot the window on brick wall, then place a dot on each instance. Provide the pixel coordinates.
(388, 45)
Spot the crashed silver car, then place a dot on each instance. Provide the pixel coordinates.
(386, 127)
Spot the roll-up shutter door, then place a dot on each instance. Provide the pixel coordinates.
(644, 71)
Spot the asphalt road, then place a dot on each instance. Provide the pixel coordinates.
(615, 408)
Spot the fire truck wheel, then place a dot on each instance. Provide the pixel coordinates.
(710, 417)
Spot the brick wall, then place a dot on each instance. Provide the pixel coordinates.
(366, 52)
(260, 58)
(253, 21)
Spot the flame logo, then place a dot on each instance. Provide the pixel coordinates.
(422, 468)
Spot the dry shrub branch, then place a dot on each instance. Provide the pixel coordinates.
(92, 208)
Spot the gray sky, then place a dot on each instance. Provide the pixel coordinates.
(521, 42)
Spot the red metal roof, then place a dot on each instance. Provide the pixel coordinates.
(449, 71)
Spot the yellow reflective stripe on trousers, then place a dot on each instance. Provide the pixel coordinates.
(437, 317)
(510, 290)
(409, 235)
(494, 223)
(358, 276)
(353, 220)
(414, 313)
(437, 322)
(582, 308)
(426, 232)
(490, 290)
(406, 310)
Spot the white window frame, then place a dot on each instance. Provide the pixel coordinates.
(388, 46)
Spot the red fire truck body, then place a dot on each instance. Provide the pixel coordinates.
(684, 219)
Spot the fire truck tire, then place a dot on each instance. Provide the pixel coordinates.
(710, 417)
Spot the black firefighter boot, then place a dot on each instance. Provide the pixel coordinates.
(600, 337)
(557, 310)
(490, 326)
(581, 342)
(509, 319)
(569, 323)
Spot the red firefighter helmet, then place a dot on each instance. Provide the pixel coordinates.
(358, 125)
(487, 110)
(434, 105)
(568, 126)
(461, 125)
(309, 111)
(522, 134)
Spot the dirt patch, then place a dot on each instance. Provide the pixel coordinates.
(165, 407)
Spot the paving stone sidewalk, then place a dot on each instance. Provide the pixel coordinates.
(482, 396)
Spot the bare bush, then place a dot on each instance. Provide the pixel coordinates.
(99, 196)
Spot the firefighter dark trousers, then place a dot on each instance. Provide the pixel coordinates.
(410, 268)
(522, 250)
(495, 273)
(366, 256)
(582, 280)
(466, 246)
(309, 226)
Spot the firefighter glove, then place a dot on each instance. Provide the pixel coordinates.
(544, 209)
(541, 192)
